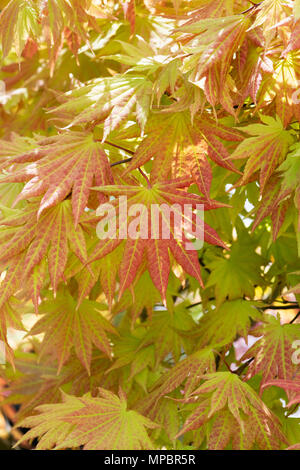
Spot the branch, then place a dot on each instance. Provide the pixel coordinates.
(295, 318)
(121, 161)
(241, 369)
(281, 307)
(251, 8)
(131, 152)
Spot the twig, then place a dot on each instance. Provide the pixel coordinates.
(131, 152)
(295, 318)
(254, 5)
(121, 161)
(146, 177)
(222, 357)
(241, 369)
(281, 307)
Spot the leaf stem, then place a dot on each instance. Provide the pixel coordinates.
(146, 177)
(121, 161)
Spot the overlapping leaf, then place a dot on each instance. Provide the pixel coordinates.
(265, 152)
(29, 239)
(180, 148)
(66, 327)
(102, 423)
(72, 161)
(238, 414)
(221, 326)
(273, 352)
(148, 237)
(110, 100)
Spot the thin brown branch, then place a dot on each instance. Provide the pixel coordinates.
(121, 161)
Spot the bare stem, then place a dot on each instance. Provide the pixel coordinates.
(121, 161)
(146, 177)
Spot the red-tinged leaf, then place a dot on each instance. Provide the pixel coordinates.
(265, 152)
(224, 393)
(159, 264)
(13, 276)
(18, 150)
(294, 42)
(165, 197)
(225, 430)
(106, 99)
(58, 253)
(36, 283)
(109, 267)
(189, 371)
(9, 318)
(268, 201)
(187, 259)
(180, 148)
(269, 14)
(214, 39)
(37, 237)
(66, 326)
(86, 280)
(278, 217)
(132, 259)
(39, 245)
(129, 13)
(292, 388)
(18, 21)
(274, 351)
(96, 423)
(71, 162)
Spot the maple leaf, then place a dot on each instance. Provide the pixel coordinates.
(110, 100)
(290, 169)
(292, 388)
(273, 352)
(17, 150)
(181, 149)
(65, 326)
(72, 162)
(284, 82)
(189, 370)
(167, 330)
(134, 357)
(22, 231)
(238, 413)
(102, 423)
(228, 274)
(252, 67)
(257, 431)
(273, 203)
(157, 406)
(35, 382)
(103, 271)
(18, 21)
(265, 152)
(155, 248)
(221, 326)
(213, 40)
(143, 293)
(278, 192)
(269, 14)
